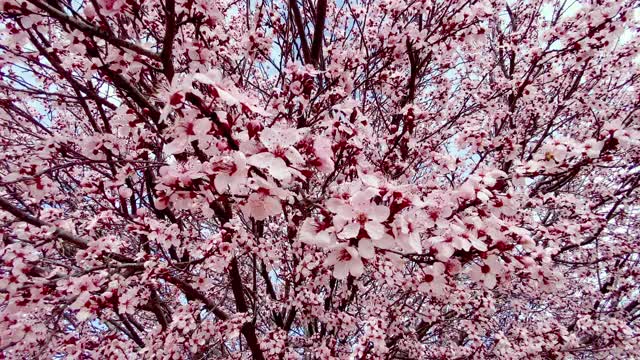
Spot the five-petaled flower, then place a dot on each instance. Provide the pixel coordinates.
(433, 279)
(487, 271)
(348, 259)
(279, 148)
(357, 214)
(190, 128)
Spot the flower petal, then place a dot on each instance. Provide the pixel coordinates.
(445, 250)
(333, 204)
(324, 238)
(356, 267)
(374, 229)
(345, 212)
(478, 244)
(332, 259)
(385, 242)
(490, 281)
(307, 231)
(294, 156)
(350, 231)
(260, 160)
(475, 273)
(378, 213)
(279, 170)
(221, 182)
(201, 126)
(366, 249)
(362, 199)
(176, 146)
(340, 270)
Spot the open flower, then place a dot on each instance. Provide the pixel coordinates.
(180, 174)
(173, 178)
(262, 205)
(359, 214)
(230, 173)
(502, 205)
(316, 232)
(186, 131)
(454, 237)
(348, 260)
(404, 230)
(279, 144)
(486, 272)
(464, 238)
(433, 281)
(323, 153)
(265, 201)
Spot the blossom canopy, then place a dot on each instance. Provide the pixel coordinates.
(353, 179)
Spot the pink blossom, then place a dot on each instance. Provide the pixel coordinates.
(433, 280)
(312, 179)
(279, 145)
(357, 214)
(319, 233)
(487, 271)
(230, 173)
(347, 260)
(187, 131)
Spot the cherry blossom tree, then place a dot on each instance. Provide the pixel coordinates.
(362, 179)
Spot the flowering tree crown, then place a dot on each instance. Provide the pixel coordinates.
(365, 179)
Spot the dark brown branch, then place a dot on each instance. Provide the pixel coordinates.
(297, 19)
(249, 328)
(316, 46)
(167, 45)
(192, 292)
(131, 331)
(94, 31)
(63, 234)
